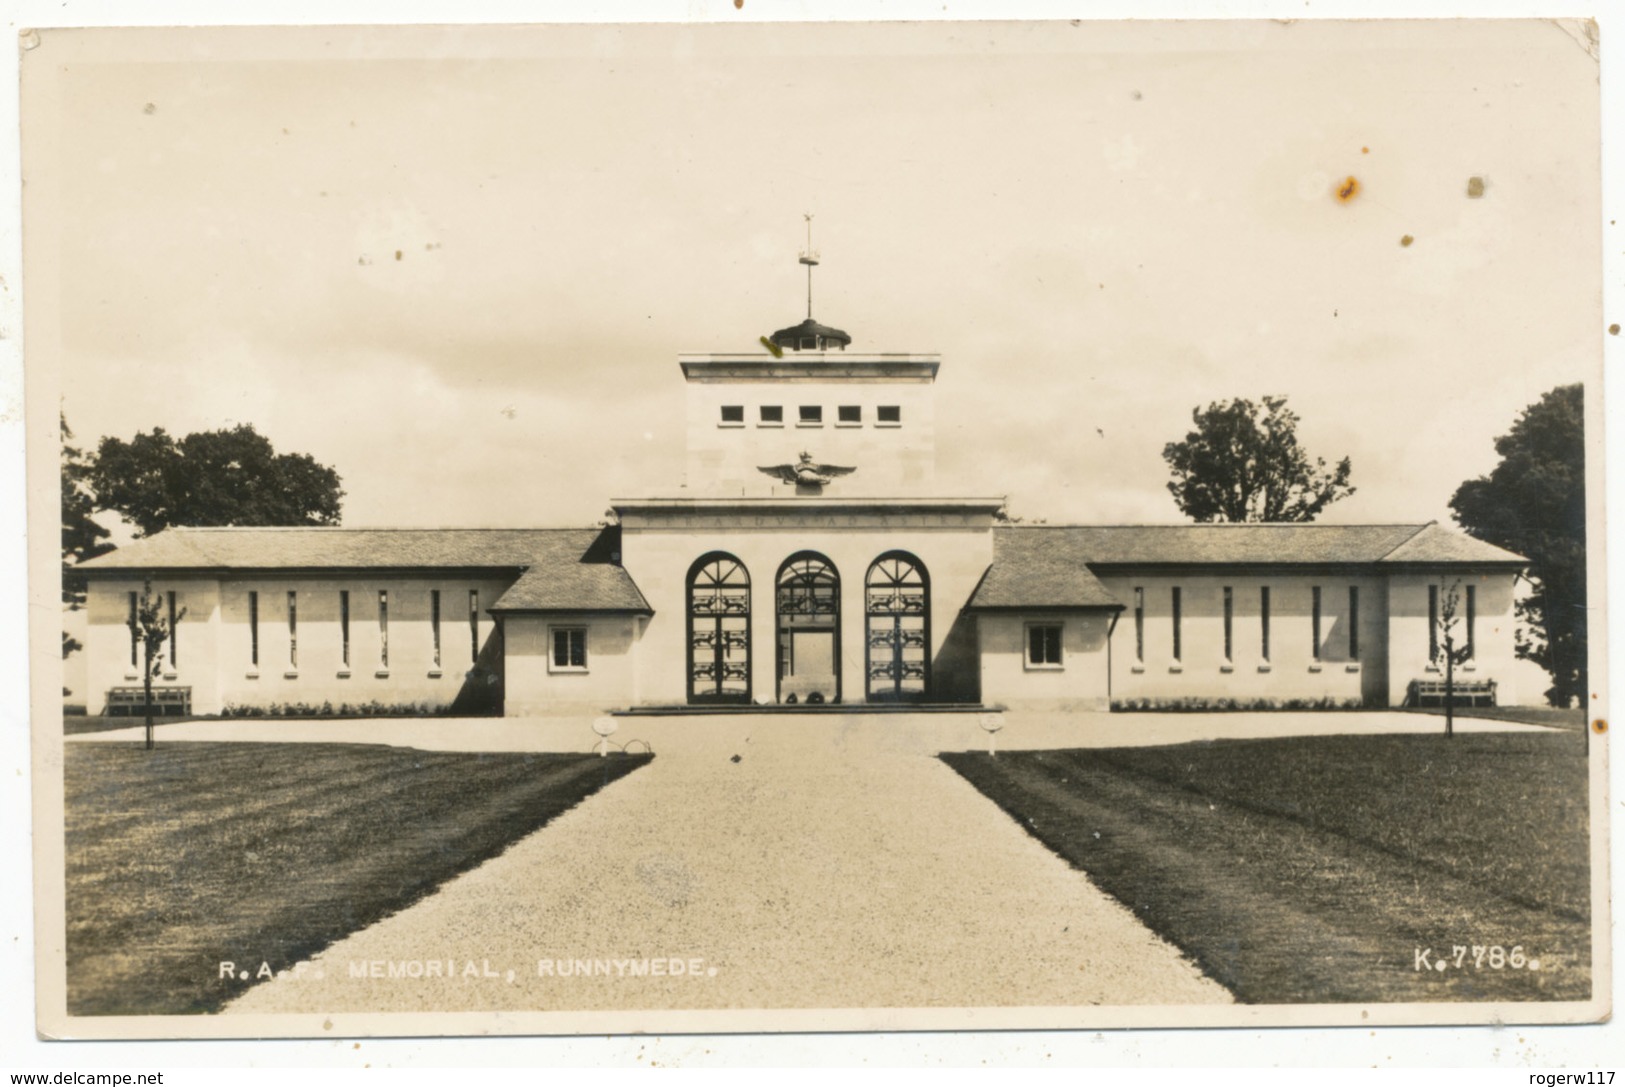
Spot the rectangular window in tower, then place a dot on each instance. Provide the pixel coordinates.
(174, 651)
(1472, 619)
(254, 630)
(889, 415)
(293, 630)
(771, 415)
(474, 626)
(1433, 624)
(1174, 600)
(383, 630)
(733, 415)
(1229, 624)
(1264, 624)
(1314, 623)
(434, 623)
(848, 415)
(811, 415)
(344, 627)
(1139, 626)
(1354, 622)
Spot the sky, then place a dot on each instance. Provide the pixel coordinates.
(458, 267)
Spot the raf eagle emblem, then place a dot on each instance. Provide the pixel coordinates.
(804, 473)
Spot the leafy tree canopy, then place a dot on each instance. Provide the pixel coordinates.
(1534, 503)
(82, 537)
(218, 477)
(1243, 463)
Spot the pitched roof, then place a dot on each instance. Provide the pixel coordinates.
(1434, 544)
(334, 548)
(1264, 544)
(570, 569)
(1034, 568)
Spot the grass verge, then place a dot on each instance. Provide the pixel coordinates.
(1315, 869)
(194, 854)
(1572, 719)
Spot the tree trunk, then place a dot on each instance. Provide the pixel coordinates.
(146, 687)
(1449, 690)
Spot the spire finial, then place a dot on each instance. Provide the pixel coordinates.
(809, 257)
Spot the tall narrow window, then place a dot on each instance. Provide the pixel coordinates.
(1314, 622)
(474, 625)
(1472, 617)
(1229, 624)
(1354, 622)
(434, 622)
(1433, 622)
(293, 629)
(1264, 623)
(254, 629)
(1177, 640)
(1139, 626)
(131, 623)
(174, 656)
(344, 625)
(383, 628)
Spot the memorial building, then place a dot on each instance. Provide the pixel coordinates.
(810, 558)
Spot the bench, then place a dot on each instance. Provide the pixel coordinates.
(166, 701)
(1469, 692)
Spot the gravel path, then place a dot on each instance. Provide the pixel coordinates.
(835, 864)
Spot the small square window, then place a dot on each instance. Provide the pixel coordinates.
(1043, 645)
(569, 649)
(733, 414)
(889, 415)
(772, 415)
(850, 414)
(812, 415)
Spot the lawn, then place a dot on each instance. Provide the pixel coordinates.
(193, 854)
(1314, 869)
(1551, 717)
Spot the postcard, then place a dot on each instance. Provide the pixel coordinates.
(847, 526)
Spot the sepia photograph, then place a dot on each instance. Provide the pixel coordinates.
(587, 529)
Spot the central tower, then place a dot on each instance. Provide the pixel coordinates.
(807, 417)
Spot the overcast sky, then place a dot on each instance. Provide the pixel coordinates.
(458, 266)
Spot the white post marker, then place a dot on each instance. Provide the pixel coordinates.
(605, 727)
(992, 722)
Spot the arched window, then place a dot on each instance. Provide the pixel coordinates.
(897, 607)
(808, 612)
(718, 629)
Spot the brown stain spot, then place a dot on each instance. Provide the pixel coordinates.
(150, 108)
(1599, 726)
(1475, 187)
(1406, 240)
(1365, 150)
(1613, 330)
(1349, 189)
(739, 5)
(397, 254)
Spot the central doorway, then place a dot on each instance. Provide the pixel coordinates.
(808, 607)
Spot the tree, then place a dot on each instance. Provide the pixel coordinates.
(1243, 463)
(1447, 653)
(1534, 503)
(150, 630)
(220, 477)
(82, 537)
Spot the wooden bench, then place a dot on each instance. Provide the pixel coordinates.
(166, 701)
(1469, 692)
